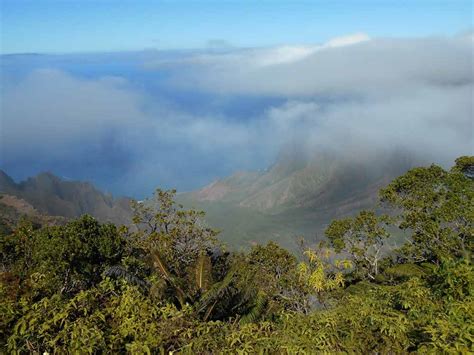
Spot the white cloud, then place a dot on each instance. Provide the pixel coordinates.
(355, 92)
(51, 111)
(347, 40)
(352, 94)
(375, 67)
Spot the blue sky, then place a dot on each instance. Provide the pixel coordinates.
(54, 26)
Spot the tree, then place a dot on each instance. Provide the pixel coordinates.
(363, 238)
(267, 282)
(167, 286)
(177, 235)
(182, 252)
(437, 208)
(320, 274)
(465, 166)
(65, 258)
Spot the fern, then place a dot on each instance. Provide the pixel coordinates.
(256, 312)
(203, 272)
(159, 264)
(215, 292)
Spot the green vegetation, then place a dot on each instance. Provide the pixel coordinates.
(167, 284)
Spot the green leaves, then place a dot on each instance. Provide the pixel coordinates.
(168, 287)
(363, 238)
(203, 272)
(179, 236)
(318, 275)
(258, 309)
(437, 207)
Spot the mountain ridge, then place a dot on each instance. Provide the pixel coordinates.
(54, 196)
(295, 196)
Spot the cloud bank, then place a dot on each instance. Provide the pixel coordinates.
(415, 94)
(184, 119)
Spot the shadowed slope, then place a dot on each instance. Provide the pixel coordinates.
(53, 196)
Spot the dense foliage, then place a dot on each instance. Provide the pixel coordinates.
(166, 284)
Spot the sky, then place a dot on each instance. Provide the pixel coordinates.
(137, 95)
(65, 26)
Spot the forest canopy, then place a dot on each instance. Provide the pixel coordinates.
(167, 284)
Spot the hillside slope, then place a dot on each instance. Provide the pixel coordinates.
(293, 197)
(53, 196)
(12, 209)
